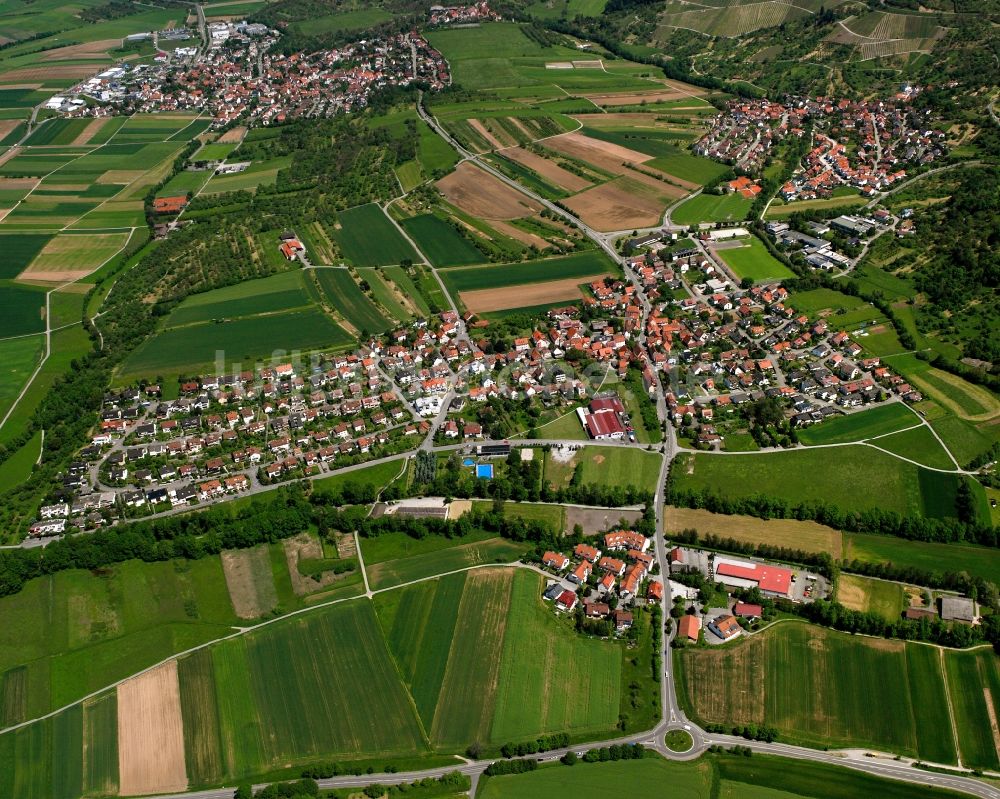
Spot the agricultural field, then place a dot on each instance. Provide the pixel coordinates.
(346, 297)
(877, 421)
(581, 267)
(828, 475)
(819, 688)
(611, 467)
(259, 173)
(22, 309)
(754, 261)
(367, 237)
(70, 256)
(974, 683)
(936, 558)
(395, 558)
(920, 445)
(245, 340)
(441, 242)
(712, 208)
(20, 357)
(737, 19)
(282, 292)
(480, 194)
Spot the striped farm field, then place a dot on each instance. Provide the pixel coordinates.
(282, 292)
(579, 265)
(368, 238)
(440, 242)
(974, 681)
(70, 256)
(824, 688)
(346, 296)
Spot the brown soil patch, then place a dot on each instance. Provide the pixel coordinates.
(480, 194)
(54, 71)
(459, 507)
(5, 157)
(122, 176)
(500, 299)
(612, 207)
(90, 131)
(553, 173)
(306, 547)
(151, 733)
(7, 125)
(54, 276)
(4, 212)
(81, 51)
(635, 98)
(233, 135)
(250, 582)
(18, 184)
(480, 128)
(597, 520)
(851, 593)
(991, 712)
(602, 154)
(807, 536)
(76, 288)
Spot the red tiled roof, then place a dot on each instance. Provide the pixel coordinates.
(768, 578)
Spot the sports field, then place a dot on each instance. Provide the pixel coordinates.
(611, 467)
(754, 261)
(712, 208)
(368, 238)
(824, 688)
(346, 296)
(830, 475)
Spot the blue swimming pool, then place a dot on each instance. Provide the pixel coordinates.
(484, 471)
(468, 462)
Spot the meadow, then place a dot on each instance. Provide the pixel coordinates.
(367, 237)
(19, 357)
(440, 242)
(383, 292)
(876, 421)
(885, 598)
(712, 208)
(755, 262)
(918, 444)
(20, 250)
(259, 173)
(405, 283)
(21, 309)
(819, 687)
(346, 296)
(829, 475)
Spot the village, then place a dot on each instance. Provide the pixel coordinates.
(863, 145)
(238, 78)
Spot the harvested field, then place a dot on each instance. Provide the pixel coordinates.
(501, 299)
(89, 132)
(7, 125)
(70, 257)
(480, 194)
(634, 98)
(233, 135)
(612, 206)
(807, 536)
(250, 582)
(51, 72)
(121, 176)
(549, 171)
(151, 733)
(597, 520)
(79, 52)
(601, 154)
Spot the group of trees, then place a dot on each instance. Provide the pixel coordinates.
(752, 732)
(544, 743)
(880, 521)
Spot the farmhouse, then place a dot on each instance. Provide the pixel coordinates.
(725, 627)
(771, 580)
(689, 627)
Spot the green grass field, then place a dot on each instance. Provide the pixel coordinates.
(832, 475)
(820, 687)
(874, 596)
(356, 20)
(368, 238)
(581, 265)
(607, 466)
(241, 340)
(259, 173)
(712, 208)
(382, 291)
(57, 131)
(20, 250)
(918, 445)
(974, 681)
(440, 242)
(20, 357)
(17, 468)
(21, 309)
(346, 296)
(405, 283)
(980, 561)
(282, 292)
(754, 261)
(876, 421)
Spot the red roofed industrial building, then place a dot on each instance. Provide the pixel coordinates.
(170, 205)
(771, 580)
(604, 419)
